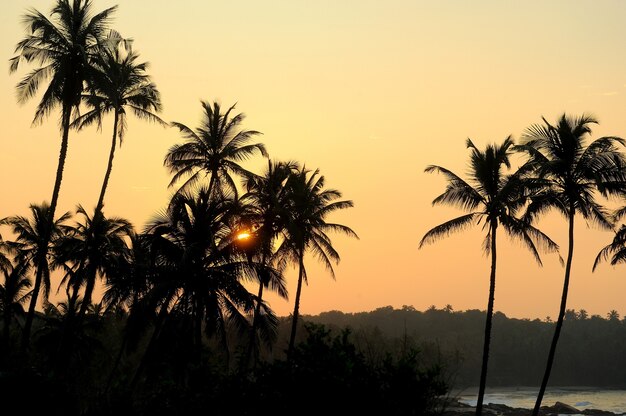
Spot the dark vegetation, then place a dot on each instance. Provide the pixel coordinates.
(178, 329)
(592, 351)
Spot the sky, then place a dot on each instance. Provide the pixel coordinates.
(369, 92)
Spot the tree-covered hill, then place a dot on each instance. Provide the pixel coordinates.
(592, 351)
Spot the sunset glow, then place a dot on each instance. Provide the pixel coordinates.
(370, 93)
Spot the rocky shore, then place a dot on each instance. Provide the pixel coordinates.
(492, 409)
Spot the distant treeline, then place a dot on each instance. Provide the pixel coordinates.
(592, 351)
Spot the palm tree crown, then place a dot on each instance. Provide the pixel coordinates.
(215, 149)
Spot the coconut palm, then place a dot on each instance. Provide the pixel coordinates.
(493, 198)
(64, 47)
(268, 198)
(34, 240)
(199, 275)
(216, 148)
(307, 229)
(94, 247)
(119, 84)
(570, 176)
(13, 294)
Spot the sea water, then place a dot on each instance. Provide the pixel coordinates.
(580, 397)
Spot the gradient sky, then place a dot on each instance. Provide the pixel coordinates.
(371, 93)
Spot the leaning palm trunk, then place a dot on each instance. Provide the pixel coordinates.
(107, 175)
(492, 290)
(31, 308)
(296, 308)
(559, 323)
(67, 111)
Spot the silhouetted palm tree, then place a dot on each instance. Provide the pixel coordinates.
(95, 247)
(119, 84)
(35, 237)
(493, 198)
(270, 209)
(64, 47)
(198, 278)
(307, 229)
(570, 175)
(216, 148)
(13, 294)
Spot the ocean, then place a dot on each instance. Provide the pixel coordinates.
(580, 397)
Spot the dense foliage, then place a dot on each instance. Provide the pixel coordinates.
(592, 351)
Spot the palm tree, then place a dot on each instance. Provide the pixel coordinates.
(119, 84)
(215, 149)
(570, 175)
(493, 198)
(35, 238)
(307, 229)
(199, 276)
(268, 199)
(13, 293)
(64, 47)
(95, 247)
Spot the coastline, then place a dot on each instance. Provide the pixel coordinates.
(458, 408)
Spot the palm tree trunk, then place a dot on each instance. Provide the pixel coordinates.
(488, 321)
(31, 309)
(67, 112)
(255, 318)
(559, 323)
(255, 323)
(107, 175)
(294, 322)
(65, 122)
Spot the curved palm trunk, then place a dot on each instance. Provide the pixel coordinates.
(31, 309)
(559, 323)
(107, 175)
(67, 111)
(294, 322)
(488, 321)
(65, 122)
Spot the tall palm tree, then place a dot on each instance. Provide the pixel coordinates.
(216, 148)
(35, 238)
(119, 84)
(64, 47)
(570, 175)
(268, 198)
(307, 229)
(493, 198)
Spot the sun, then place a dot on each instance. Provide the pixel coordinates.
(243, 235)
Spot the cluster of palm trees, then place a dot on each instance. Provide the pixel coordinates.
(561, 172)
(224, 228)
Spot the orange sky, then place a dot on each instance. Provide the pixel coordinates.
(370, 92)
